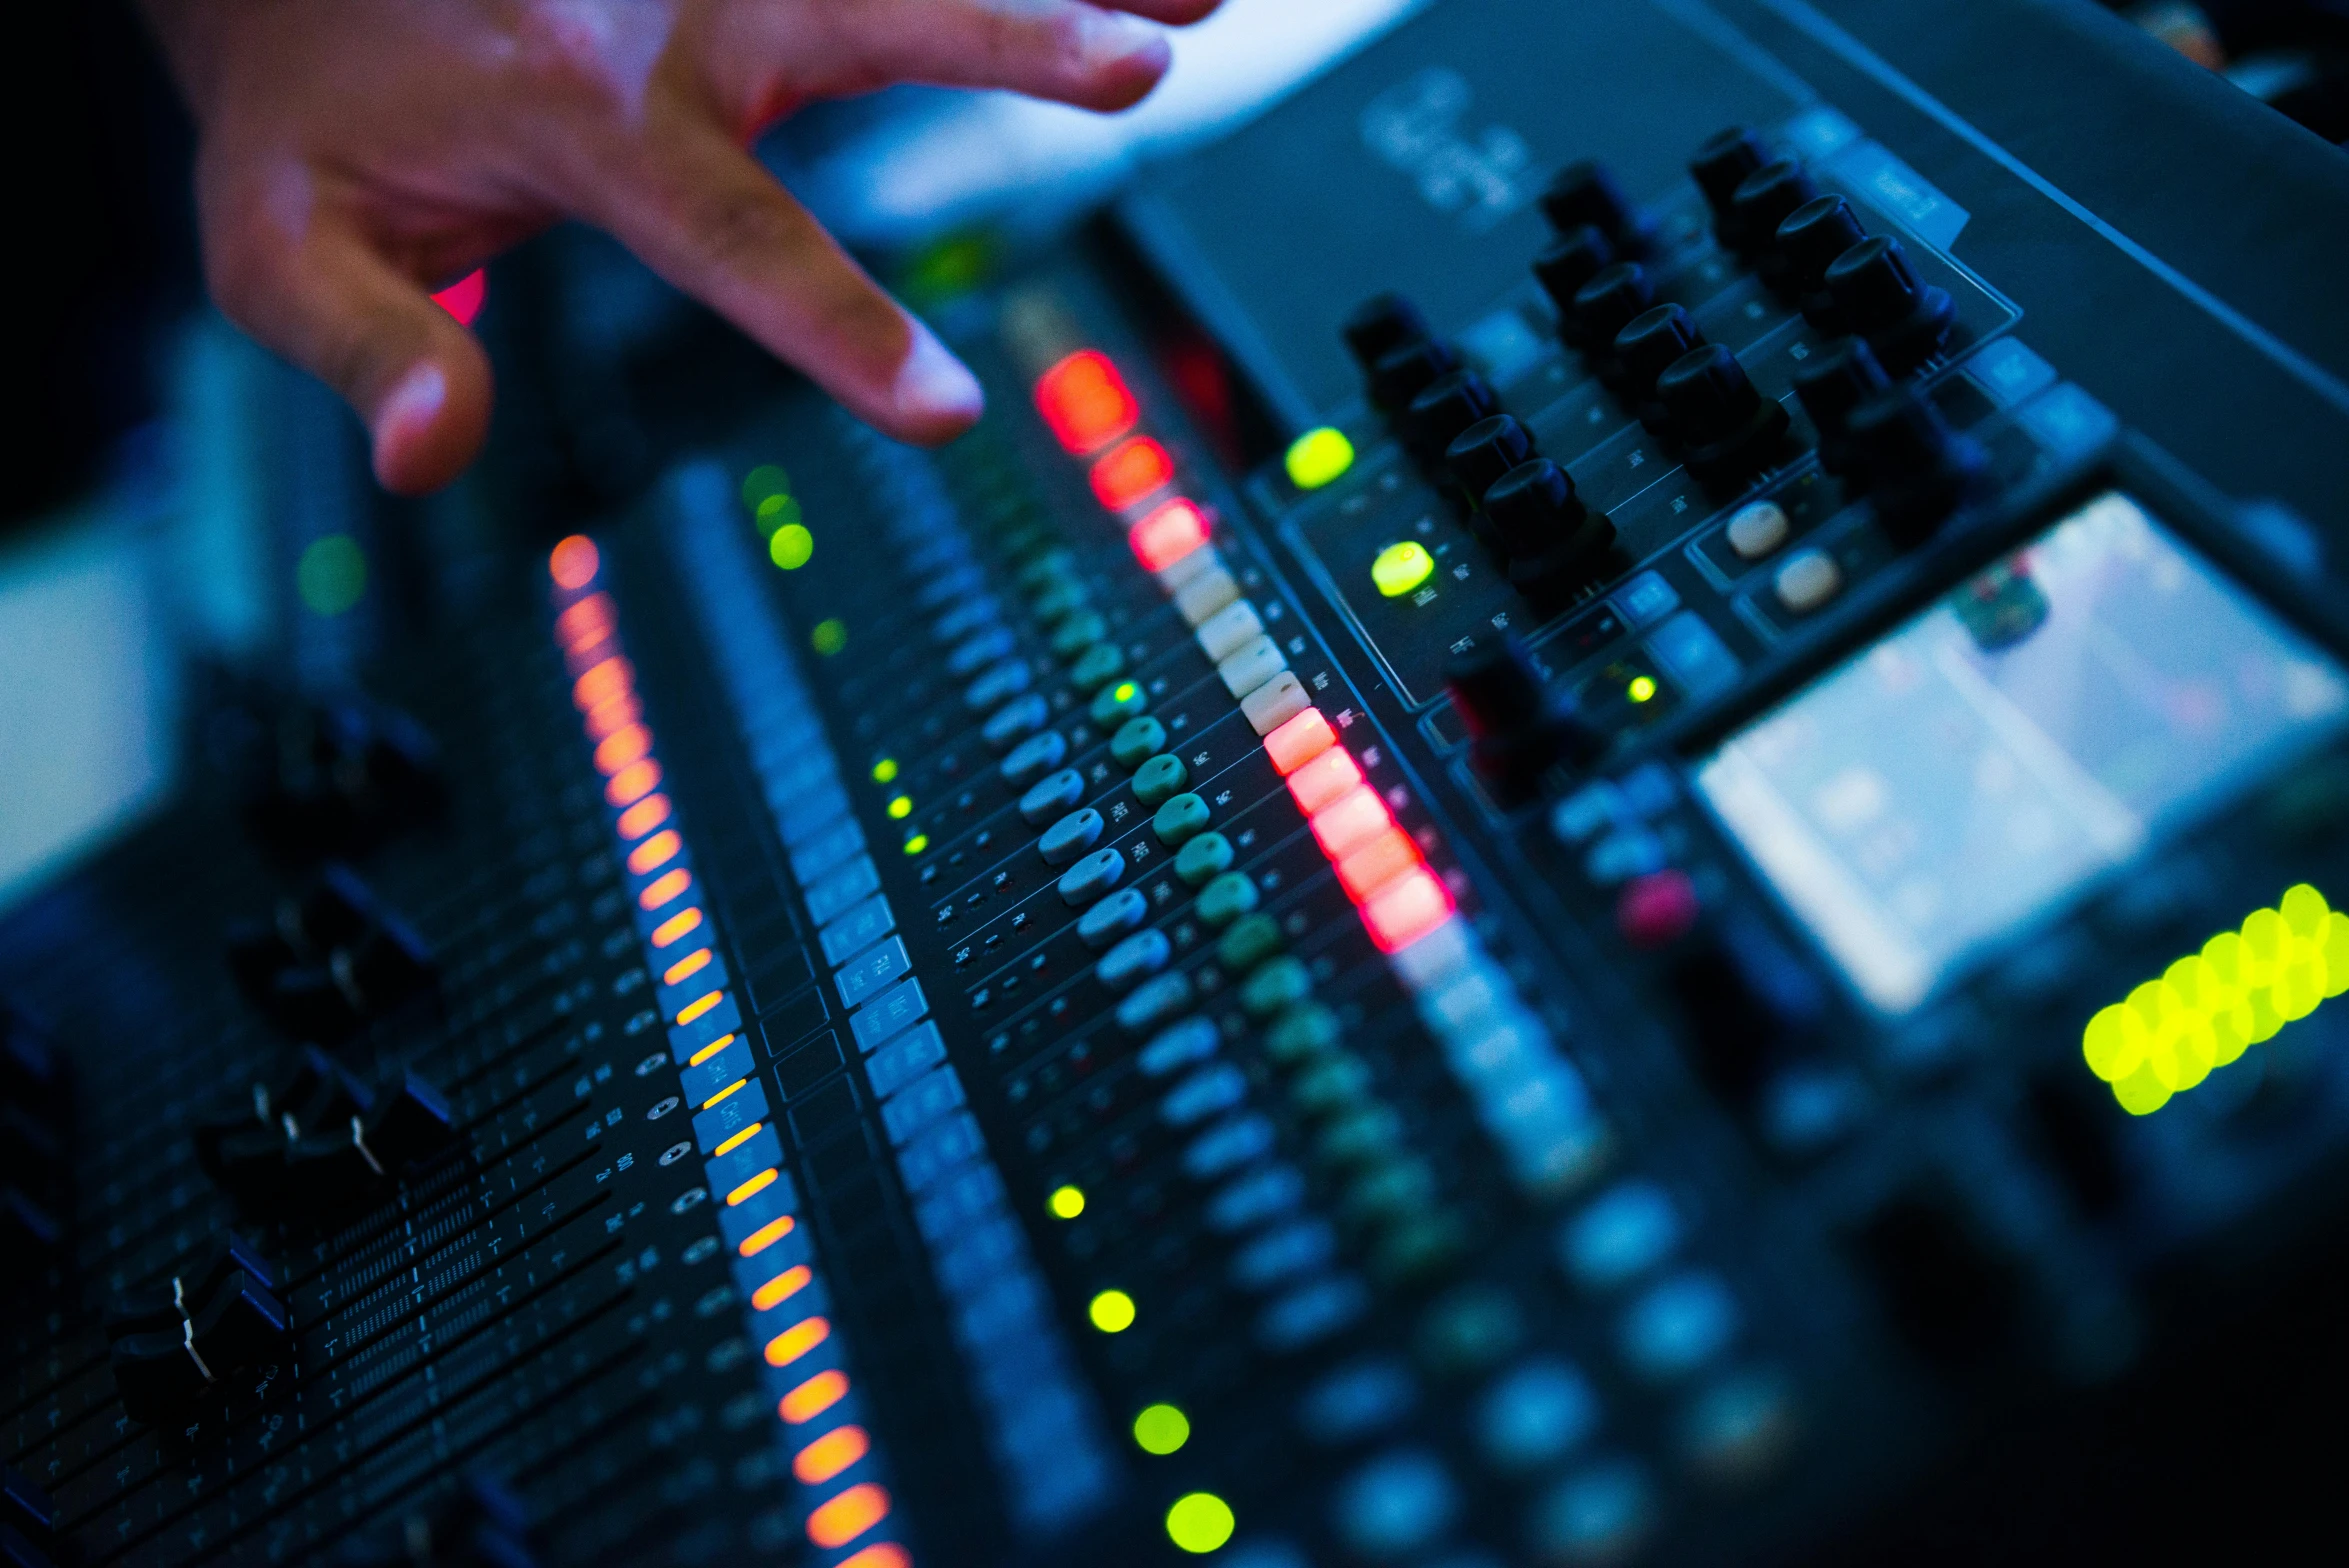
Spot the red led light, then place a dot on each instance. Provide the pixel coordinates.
(1131, 471)
(1370, 867)
(464, 298)
(1409, 908)
(1085, 401)
(574, 563)
(1168, 534)
(1299, 741)
(586, 623)
(1315, 784)
(601, 682)
(1350, 821)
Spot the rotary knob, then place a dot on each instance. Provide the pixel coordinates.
(1444, 408)
(1486, 451)
(1565, 265)
(1518, 727)
(1720, 166)
(1910, 464)
(1380, 325)
(1765, 199)
(1878, 295)
(1553, 542)
(1403, 372)
(1584, 192)
(1606, 305)
(1645, 349)
(1831, 386)
(1809, 241)
(1726, 429)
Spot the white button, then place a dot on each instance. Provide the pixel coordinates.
(1205, 594)
(1228, 630)
(1274, 703)
(1257, 661)
(1757, 529)
(1808, 579)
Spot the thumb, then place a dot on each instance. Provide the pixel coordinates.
(328, 300)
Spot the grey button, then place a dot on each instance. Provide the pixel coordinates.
(1192, 1040)
(1022, 716)
(1161, 779)
(977, 651)
(1808, 580)
(1052, 797)
(1032, 758)
(1091, 877)
(1141, 955)
(1004, 681)
(1070, 837)
(1179, 820)
(1112, 918)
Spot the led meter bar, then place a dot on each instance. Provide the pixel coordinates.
(845, 1509)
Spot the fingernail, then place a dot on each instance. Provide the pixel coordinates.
(1111, 38)
(407, 412)
(932, 384)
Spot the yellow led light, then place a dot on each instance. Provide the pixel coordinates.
(1641, 689)
(885, 771)
(737, 1141)
(901, 808)
(778, 511)
(1199, 1522)
(1112, 1312)
(1125, 691)
(829, 637)
(1400, 568)
(1066, 1203)
(1161, 1429)
(1318, 457)
(918, 843)
(751, 1188)
(791, 546)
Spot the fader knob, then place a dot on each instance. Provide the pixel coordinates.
(1910, 463)
(1517, 726)
(1401, 374)
(1726, 429)
(1831, 386)
(1606, 305)
(1484, 452)
(1380, 325)
(1445, 407)
(1878, 295)
(1552, 540)
(1809, 241)
(1584, 192)
(1720, 166)
(1647, 348)
(1565, 265)
(1765, 199)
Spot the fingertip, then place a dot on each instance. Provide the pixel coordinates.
(933, 396)
(1121, 59)
(430, 424)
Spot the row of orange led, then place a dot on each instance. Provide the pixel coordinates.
(743, 1151)
(1089, 408)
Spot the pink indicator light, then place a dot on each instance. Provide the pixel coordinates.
(1131, 471)
(464, 298)
(1350, 821)
(1409, 908)
(1085, 401)
(1299, 741)
(1168, 534)
(1324, 779)
(1372, 866)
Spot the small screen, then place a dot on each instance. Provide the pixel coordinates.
(1977, 769)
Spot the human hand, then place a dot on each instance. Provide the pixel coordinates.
(353, 156)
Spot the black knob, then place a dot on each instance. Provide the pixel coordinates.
(1487, 450)
(161, 1375)
(1646, 348)
(1720, 166)
(1551, 539)
(1517, 726)
(484, 1526)
(1765, 199)
(1726, 429)
(1878, 295)
(24, 1507)
(1831, 386)
(1401, 374)
(1380, 325)
(1565, 265)
(1444, 408)
(1746, 1003)
(1809, 241)
(408, 1125)
(1608, 303)
(329, 779)
(337, 1163)
(1909, 463)
(156, 1308)
(1584, 192)
(240, 1325)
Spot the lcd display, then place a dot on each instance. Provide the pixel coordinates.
(1978, 769)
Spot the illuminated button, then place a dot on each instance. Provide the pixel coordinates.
(1032, 758)
(1319, 457)
(1112, 1312)
(1130, 472)
(1199, 1522)
(1066, 1203)
(1085, 402)
(1807, 580)
(782, 1288)
(643, 817)
(1396, 1505)
(796, 1341)
(1258, 660)
(1180, 819)
(1117, 702)
(1621, 1235)
(1070, 837)
(1274, 703)
(847, 1516)
(1400, 568)
(1599, 1516)
(1350, 821)
(1226, 899)
(1229, 630)
(1050, 798)
(1134, 960)
(1019, 717)
(1204, 858)
(1161, 1429)
(791, 546)
(1091, 877)
(1299, 741)
(1098, 667)
(1757, 529)
(1160, 780)
(1678, 1326)
(1277, 984)
(813, 1397)
(1137, 741)
(763, 481)
(1251, 940)
(1373, 866)
(1413, 906)
(830, 1455)
(1112, 918)
(1176, 530)
(1536, 1415)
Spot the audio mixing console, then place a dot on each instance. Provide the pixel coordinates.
(1575, 839)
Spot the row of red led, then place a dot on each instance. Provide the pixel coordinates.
(1091, 411)
(678, 941)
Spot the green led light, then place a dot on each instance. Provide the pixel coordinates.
(1641, 689)
(791, 546)
(2209, 1007)
(1400, 568)
(1162, 1429)
(1199, 1522)
(1319, 457)
(778, 511)
(762, 482)
(1112, 1311)
(829, 637)
(901, 808)
(1066, 1203)
(331, 576)
(885, 771)
(918, 843)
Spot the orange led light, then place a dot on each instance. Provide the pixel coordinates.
(632, 783)
(882, 1554)
(813, 1397)
(623, 746)
(1372, 866)
(587, 655)
(589, 621)
(663, 888)
(797, 1341)
(677, 925)
(698, 1006)
(1299, 741)
(782, 1287)
(574, 563)
(1350, 821)
(1169, 534)
(642, 818)
(1409, 908)
(737, 1141)
(599, 683)
(766, 1236)
(830, 1454)
(710, 1050)
(1085, 401)
(848, 1516)
(655, 852)
(1130, 471)
(612, 714)
(751, 1189)
(1315, 784)
(685, 968)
